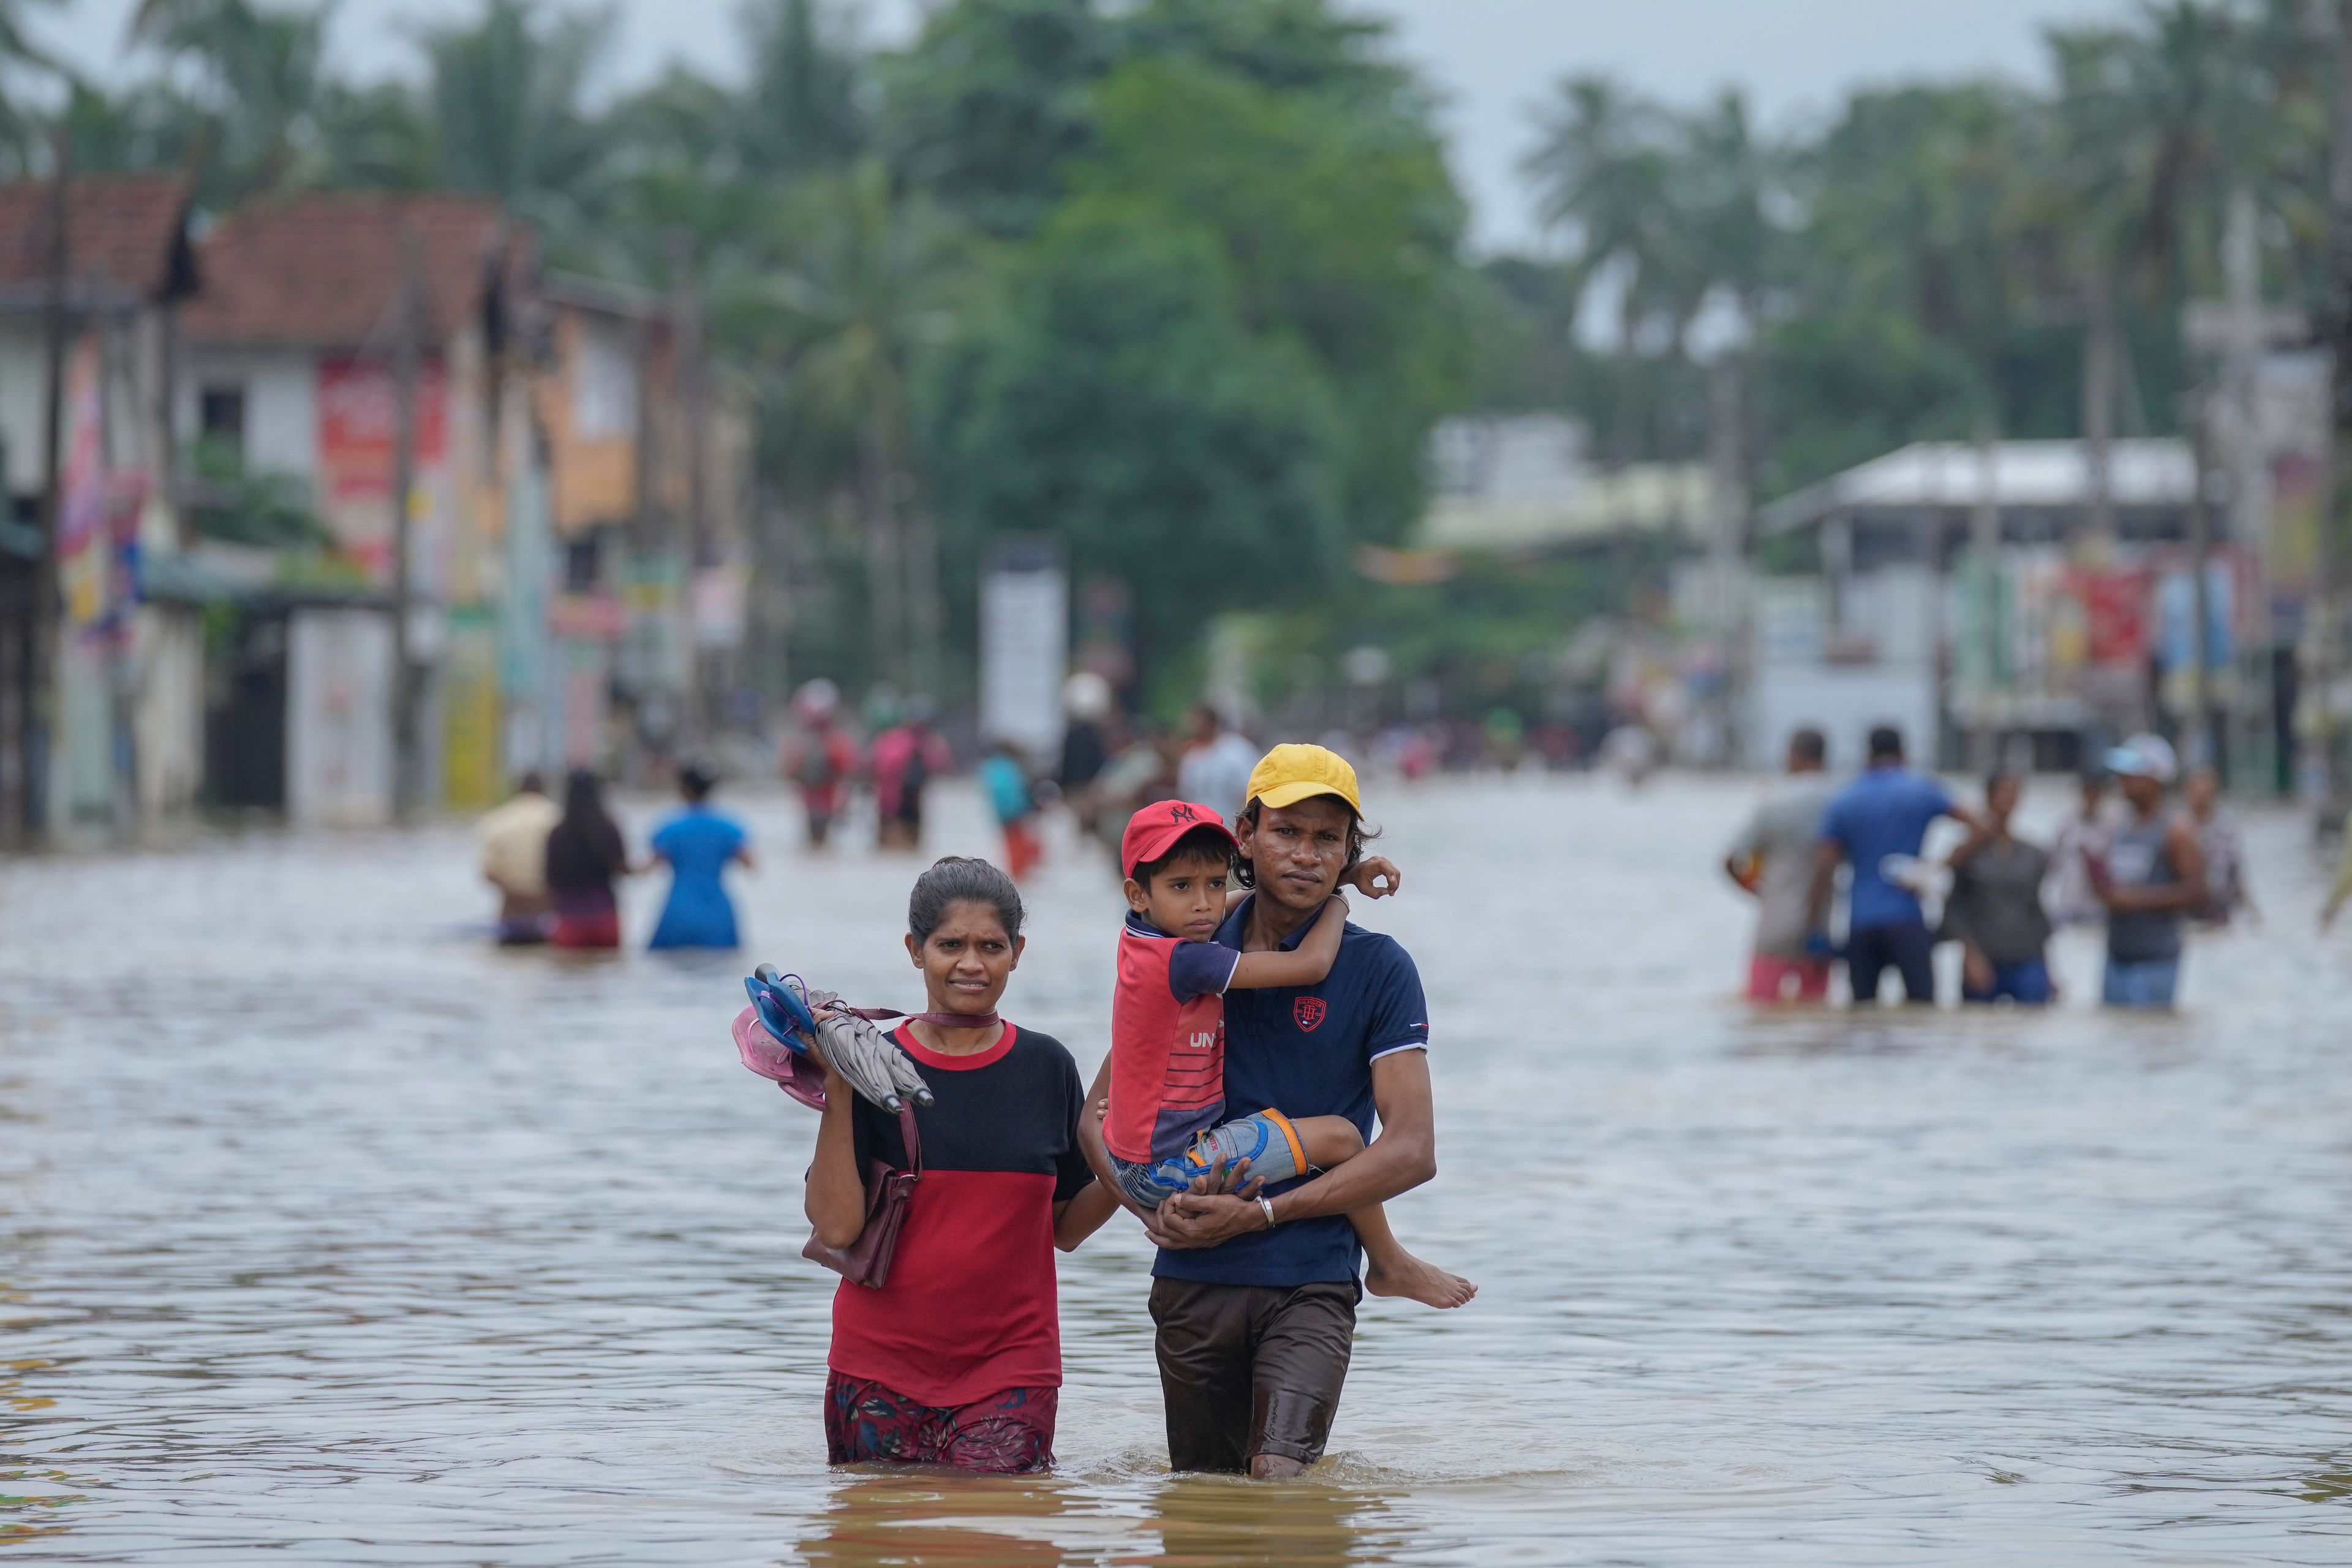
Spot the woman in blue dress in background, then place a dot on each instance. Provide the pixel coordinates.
(698, 843)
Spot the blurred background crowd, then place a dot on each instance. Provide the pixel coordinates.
(369, 440)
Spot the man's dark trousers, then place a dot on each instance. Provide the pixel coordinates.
(1907, 947)
(1251, 1369)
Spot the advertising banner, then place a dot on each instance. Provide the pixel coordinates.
(359, 427)
(2114, 613)
(85, 566)
(472, 775)
(1025, 638)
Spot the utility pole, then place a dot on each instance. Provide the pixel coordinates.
(2250, 493)
(1984, 569)
(36, 715)
(686, 314)
(2206, 746)
(1726, 485)
(2099, 403)
(408, 326)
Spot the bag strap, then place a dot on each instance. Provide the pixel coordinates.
(938, 1020)
(914, 1138)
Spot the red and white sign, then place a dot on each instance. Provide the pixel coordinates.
(359, 427)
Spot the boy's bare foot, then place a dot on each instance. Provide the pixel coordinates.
(1423, 1282)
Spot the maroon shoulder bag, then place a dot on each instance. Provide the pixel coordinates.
(867, 1260)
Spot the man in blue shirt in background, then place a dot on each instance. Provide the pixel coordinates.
(1883, 813)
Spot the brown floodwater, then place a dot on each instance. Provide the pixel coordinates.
(329, 1234)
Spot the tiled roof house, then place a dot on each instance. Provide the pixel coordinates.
(126, 242)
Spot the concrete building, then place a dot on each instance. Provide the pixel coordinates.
(579, 509)
(121, 750)
(1524, 482)
(650, 461)
(1989, 598)
(290, 379)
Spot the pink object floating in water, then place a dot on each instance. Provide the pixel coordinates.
(796, 1075)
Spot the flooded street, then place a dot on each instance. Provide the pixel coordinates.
(329, 1234)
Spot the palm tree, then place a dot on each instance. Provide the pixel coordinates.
(19, 131)
(263, 74)
(2154, 126)
(804, 107)
(506, 92)
(1723, 178)
(859, 299)
(1601, 171)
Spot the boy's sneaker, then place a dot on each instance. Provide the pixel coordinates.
(1267, 1141)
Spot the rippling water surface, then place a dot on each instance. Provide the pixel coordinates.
(327, 1232)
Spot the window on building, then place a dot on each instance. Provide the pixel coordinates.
(220, 415)
(605, 386)
(580, 565)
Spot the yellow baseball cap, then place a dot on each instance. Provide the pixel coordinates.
(1290, 774)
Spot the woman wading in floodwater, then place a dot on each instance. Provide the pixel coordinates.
(957, 1360)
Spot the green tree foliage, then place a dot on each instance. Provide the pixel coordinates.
(21, 61)
(1181, 282)
(1339, 226)
(1838, 390)
(506, 98)
(1231, 292)
(1113, 396)
(259, 80)
(808, 105)
(1935, 257)
(992, 100)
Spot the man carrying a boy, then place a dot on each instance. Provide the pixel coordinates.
(1256, 1301)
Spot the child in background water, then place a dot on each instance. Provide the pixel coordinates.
(1006, 784)
(2225, 849)
(2084, 839)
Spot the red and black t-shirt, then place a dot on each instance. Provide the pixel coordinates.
(970, 1309)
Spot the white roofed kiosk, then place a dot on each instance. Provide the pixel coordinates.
(2002, 604)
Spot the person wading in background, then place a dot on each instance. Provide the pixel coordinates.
(1004, 781)
(1885, 813)
(1773, 859)
(2152, 878)
(514, 861)
(822, 760)
(2072, 899)
(906, 757)
(698, 843)
(1216, 767)
(1995, 910)
(2223, 846)
(1086, 745)
(585, 856)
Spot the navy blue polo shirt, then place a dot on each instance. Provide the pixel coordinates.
(1308, 1050)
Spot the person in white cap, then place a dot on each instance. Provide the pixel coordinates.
(2151, 877)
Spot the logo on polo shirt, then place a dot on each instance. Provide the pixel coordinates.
(1307, 1011)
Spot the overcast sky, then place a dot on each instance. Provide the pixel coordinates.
(1493, 58)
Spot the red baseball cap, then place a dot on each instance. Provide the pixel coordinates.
(1154, 831)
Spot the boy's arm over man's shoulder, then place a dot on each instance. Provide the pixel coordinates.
(1201, 969)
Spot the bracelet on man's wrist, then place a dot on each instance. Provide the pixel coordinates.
(1267, 1205)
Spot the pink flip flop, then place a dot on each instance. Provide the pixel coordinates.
(788, 1069)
